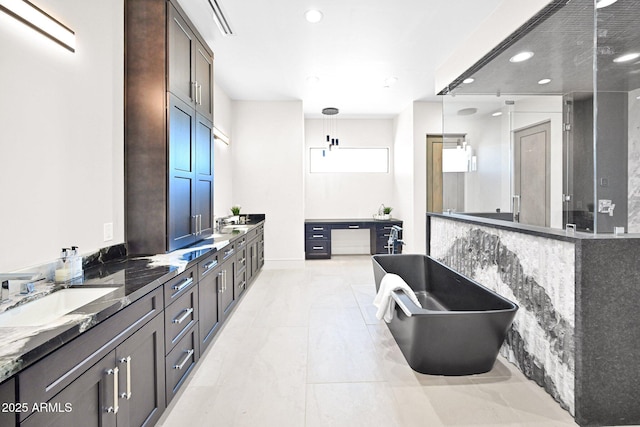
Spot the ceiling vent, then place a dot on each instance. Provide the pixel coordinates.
(221, 20)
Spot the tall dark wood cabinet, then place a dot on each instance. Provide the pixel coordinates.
(168, 129)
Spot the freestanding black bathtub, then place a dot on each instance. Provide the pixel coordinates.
(461, 326)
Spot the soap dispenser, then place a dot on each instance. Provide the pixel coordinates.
(76, 263)
(63, 267)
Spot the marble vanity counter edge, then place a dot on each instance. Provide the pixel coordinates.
(547, 232)
(21, 347)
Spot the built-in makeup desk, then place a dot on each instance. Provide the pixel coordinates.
(317, 235)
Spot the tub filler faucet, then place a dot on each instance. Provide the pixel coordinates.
(393, 242)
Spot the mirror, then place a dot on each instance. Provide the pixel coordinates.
(554, 137)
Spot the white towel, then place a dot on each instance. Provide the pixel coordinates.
(385, 302)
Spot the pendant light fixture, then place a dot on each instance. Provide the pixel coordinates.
(330, 126)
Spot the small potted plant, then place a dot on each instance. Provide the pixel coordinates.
(235, 210)
(387, 212)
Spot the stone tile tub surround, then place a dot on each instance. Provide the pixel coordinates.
(535, 273)
(606, 319)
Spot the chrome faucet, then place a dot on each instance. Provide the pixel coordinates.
(393, 242)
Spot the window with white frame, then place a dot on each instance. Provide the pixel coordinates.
(353, 159)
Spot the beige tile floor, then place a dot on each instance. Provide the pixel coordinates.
(303, 348)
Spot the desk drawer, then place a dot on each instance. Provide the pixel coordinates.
(318, 235)
(318, 249)
(349, 226)
(316, 228)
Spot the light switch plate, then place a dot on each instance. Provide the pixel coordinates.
(107, 231)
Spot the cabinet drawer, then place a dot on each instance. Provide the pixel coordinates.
(208, 265)
(241, 242)
(241, 261)
(179, 285)
(179, 317)
(180, 361)
(227, 252)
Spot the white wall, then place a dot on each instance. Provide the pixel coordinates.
(411, 129)
(222, 157)
(349, 195)
(404, 178)
(268, 172)
(427, 119)
(61, 134)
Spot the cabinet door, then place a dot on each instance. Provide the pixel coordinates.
(182, 183)
(182, 49)
(140, 361)
(209, 320)
(225, 286)
(8, 397)
(204, 175)
(204, 79)
(86, 402)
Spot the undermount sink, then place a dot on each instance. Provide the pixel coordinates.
(51, 307)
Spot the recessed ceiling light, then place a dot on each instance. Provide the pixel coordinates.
(497, 113)
(468, 80)
(390, 81)
(604, 3)
(313, 16)
(628, 57)
(522, 56)
(544, 81)
(313, 80)
(467, 111)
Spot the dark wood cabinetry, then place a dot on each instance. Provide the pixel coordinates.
(168, 129)
(8, 398)
(209, 285)
(113, 375)
(317, 235)
(226, 281)
(190, 65)
(123, 371)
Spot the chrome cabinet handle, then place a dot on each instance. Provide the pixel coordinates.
(318, 228)
(114, 409)
(224, 280)
(186, 282)
(208, 266)
(317, 248)
(187, 312)
(228, 253)
(127, 360)
(318, 236)
(221, 276)
(185, 360)
(194, 92)
(200, 94)
(354, 226)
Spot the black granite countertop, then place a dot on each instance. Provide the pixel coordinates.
(129, 277)
(348, 220)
